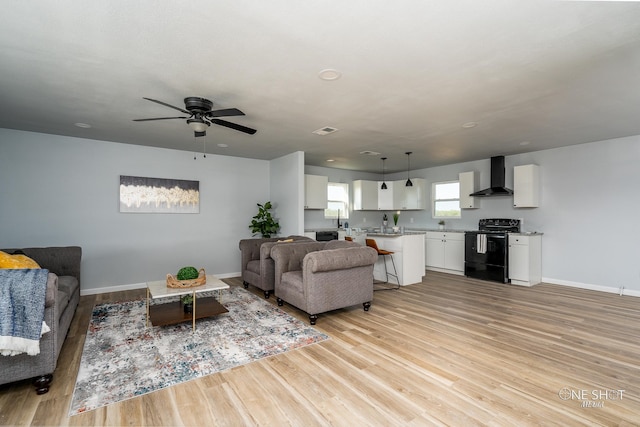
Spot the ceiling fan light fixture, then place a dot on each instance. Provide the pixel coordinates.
(198, 125)
(408, 183)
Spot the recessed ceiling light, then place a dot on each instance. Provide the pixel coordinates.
(222, 145)
(469, 125)
(525, 143)
(329, 74)
(330, 160)
(82, 125)
(325, 130)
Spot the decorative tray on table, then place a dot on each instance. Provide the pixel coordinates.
(172, 282)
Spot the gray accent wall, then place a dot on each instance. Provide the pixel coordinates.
(58, 191)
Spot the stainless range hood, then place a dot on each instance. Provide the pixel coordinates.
(498, 187)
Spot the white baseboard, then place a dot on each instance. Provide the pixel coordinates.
(117, 288)
(608, 289)
(444, 270)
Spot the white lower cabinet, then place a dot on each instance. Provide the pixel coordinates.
(445, 251)
(525, 259)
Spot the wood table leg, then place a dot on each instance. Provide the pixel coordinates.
(193, 317)
(147, 306)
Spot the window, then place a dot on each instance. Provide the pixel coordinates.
(445, 198)
(338, 201)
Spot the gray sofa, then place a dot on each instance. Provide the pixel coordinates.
(61, 301)
(257, 267)
(322, 276)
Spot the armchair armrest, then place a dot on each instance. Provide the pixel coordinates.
(339, 259)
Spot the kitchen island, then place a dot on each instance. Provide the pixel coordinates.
(408, 249)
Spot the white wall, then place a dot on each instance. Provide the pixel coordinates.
(589, 206)
(287, 187)
(64, 191)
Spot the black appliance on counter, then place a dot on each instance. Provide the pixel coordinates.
(326, 236)
(486, 250)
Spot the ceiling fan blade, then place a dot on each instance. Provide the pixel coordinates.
(234, 126)
(159, 118)
(167, 105)
(225, 113)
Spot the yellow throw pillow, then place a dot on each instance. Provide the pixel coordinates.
(16, 261)
(285, 241)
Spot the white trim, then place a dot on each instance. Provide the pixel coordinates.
(608, 289)
(94, 291)
(444, 270)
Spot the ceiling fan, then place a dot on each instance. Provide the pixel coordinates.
(200, 116)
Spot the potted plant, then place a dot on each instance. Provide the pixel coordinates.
(187, 303)
(385, 220)
(263, 223)
(396, 216)
(441, 224)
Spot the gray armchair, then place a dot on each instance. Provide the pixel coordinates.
(320, 277)
(257, 267)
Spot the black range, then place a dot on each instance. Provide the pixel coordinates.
(486, 250)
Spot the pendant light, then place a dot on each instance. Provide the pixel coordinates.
(384, 184)
(408, 183)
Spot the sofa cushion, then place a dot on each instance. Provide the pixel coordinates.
(293, 281)
(62, 300)
(52, 290)
(68, 284)
(254, 266)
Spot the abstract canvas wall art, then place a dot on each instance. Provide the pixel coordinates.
(158, 195)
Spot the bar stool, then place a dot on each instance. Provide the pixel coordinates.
(372, 244)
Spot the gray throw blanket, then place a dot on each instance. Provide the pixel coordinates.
(22, 297)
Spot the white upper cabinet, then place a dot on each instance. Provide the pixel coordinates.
(365, 195)
(410, 198)
(469, 184)
(385, 197)
(526, 186)
(315, 191)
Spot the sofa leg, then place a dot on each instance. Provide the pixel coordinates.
(246, 285)
(42, 383)
(280, 302)
(313, 318)
(267, 294)
(366, 305)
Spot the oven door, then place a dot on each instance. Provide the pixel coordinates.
(490, 265)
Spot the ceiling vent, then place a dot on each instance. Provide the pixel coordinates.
(370, 153)
(325, 131)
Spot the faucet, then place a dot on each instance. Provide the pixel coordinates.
(339, 225)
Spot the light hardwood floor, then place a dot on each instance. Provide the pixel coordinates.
(449, 351)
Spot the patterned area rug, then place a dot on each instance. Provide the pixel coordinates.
(123, 359)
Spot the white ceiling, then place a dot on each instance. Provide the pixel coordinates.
(547, 73)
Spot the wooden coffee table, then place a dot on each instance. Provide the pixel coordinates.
(173, 312)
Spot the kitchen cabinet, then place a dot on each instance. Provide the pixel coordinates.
(410, 198)
(525, 259)
(408, 257)
(469, 182)
(526, 186)
(315, 191)
(444, 251)
(385, 197)
(365, 195)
